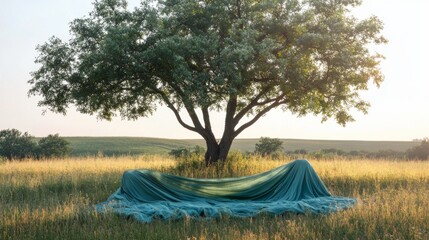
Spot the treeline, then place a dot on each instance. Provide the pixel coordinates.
(323, 153)
(17, 145)
(420, 152)
(272, 148)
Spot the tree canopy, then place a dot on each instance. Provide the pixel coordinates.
(242, 57)
(53, 146)
(420, 152)
(17, 145)
(268, 146)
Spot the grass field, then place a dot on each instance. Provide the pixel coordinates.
(108, 146)
(83, 146)
(54, 200)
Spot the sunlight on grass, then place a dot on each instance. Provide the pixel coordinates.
(54, 200)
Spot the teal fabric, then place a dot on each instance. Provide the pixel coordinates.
(295, 187)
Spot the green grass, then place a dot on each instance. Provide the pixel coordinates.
(55, 199)
(82, 146)
(109, 146)
(344, 145)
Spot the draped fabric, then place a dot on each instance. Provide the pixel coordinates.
(146, 195)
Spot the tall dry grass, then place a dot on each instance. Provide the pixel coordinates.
(54, 200)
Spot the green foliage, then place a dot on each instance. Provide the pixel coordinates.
(118, 146)
(333, 153)
(52, 146)
(300, 151)
(268, 146)
(419, 152)
(16, 145)
(242, 57)
(184, 153)
(179, 152)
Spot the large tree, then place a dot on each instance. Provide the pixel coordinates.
(240, 57)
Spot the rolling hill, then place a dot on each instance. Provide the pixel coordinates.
(140, 145)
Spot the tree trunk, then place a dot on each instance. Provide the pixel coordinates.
(217, 152)
(212, 153)
(225, 145)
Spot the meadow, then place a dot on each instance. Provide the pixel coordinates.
(54, 199)
(110, 146)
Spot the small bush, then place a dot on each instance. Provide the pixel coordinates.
(52, 146)
(420, 152)
(269, 147)
(180, 153)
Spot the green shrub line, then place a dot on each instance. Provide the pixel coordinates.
(52, 146)
(17, 145)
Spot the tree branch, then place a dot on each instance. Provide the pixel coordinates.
(257, 116)
(206, 118)
(175, 111)
(231, 108)
(189, 107)
(252, 104)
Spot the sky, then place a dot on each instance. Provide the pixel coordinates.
(398, 111)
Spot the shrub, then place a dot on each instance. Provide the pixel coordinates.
(268, 146)
(187, 152)
(179, 152)
(419, 152)
(16, 145)
(52, 146)
(300, 151)
(332, 151)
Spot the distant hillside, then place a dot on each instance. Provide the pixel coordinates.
(140, 145)
(345, 145)
(123, 145)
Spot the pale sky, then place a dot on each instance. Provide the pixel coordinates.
(399, 110)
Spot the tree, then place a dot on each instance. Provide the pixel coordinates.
(179, 152)
(419, 152)
(268, 146)
(186, 152)
(16, 145)
(243, 58)
(53, 146)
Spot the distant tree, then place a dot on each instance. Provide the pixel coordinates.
(356, 153)
(419, 152)
(16, 145)
(198, 150)
(179, 152)
(268, 146)
(388, 154)
(186, 152)
(243, 58)
(52, 146)
(332, 151)
(300, 151)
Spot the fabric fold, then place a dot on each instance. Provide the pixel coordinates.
(146, 195)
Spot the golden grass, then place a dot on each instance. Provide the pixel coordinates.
(54, 200)
(87, 164)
